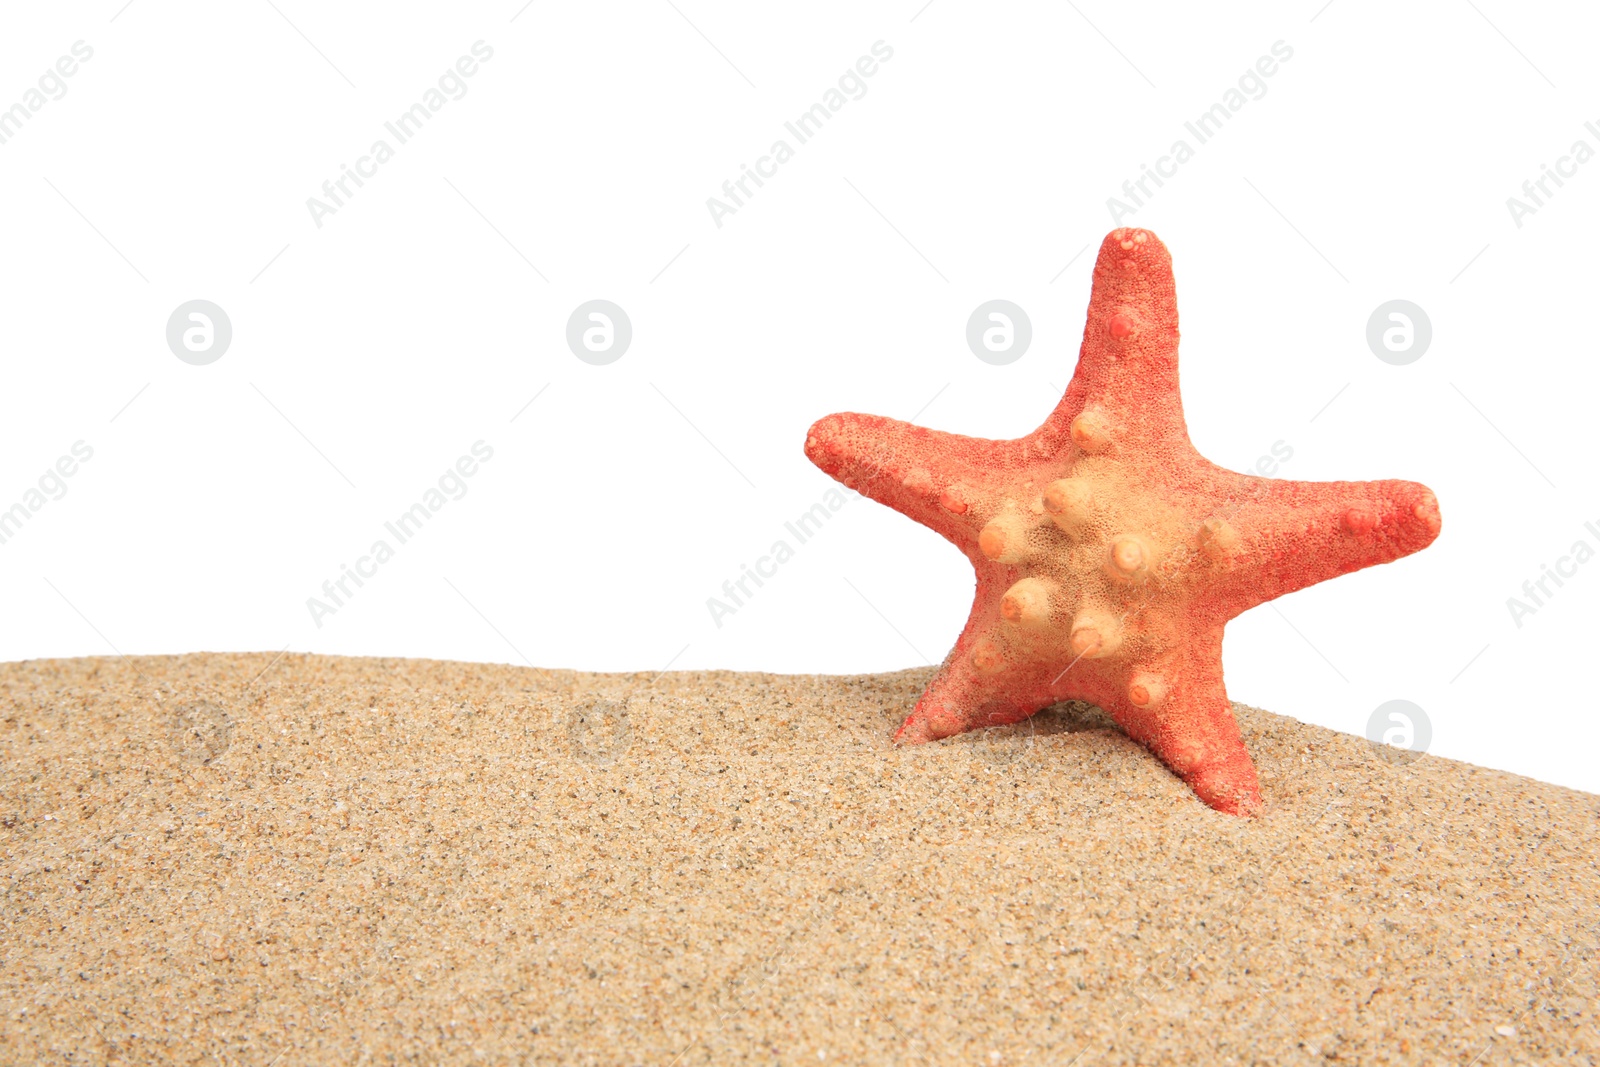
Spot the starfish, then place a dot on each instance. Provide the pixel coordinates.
(1109, 553)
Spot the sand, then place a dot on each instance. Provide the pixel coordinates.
(222, 858)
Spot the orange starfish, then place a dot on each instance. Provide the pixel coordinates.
(1110, 553)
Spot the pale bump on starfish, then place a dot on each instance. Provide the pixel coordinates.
(1109, 553)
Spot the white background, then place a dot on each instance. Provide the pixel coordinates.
(423, 316)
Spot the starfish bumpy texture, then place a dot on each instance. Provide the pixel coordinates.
(1109, 552)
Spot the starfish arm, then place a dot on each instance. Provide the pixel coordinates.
(961, 698)
(1125, 386)
(1295, 534)
(1188, 723)
(929, 475)
(957, 700)
(977, 685)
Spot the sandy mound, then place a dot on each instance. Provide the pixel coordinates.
(418, 861)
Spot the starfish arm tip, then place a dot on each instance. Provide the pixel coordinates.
(914, 731)
(1232, 790)
(848, 447)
